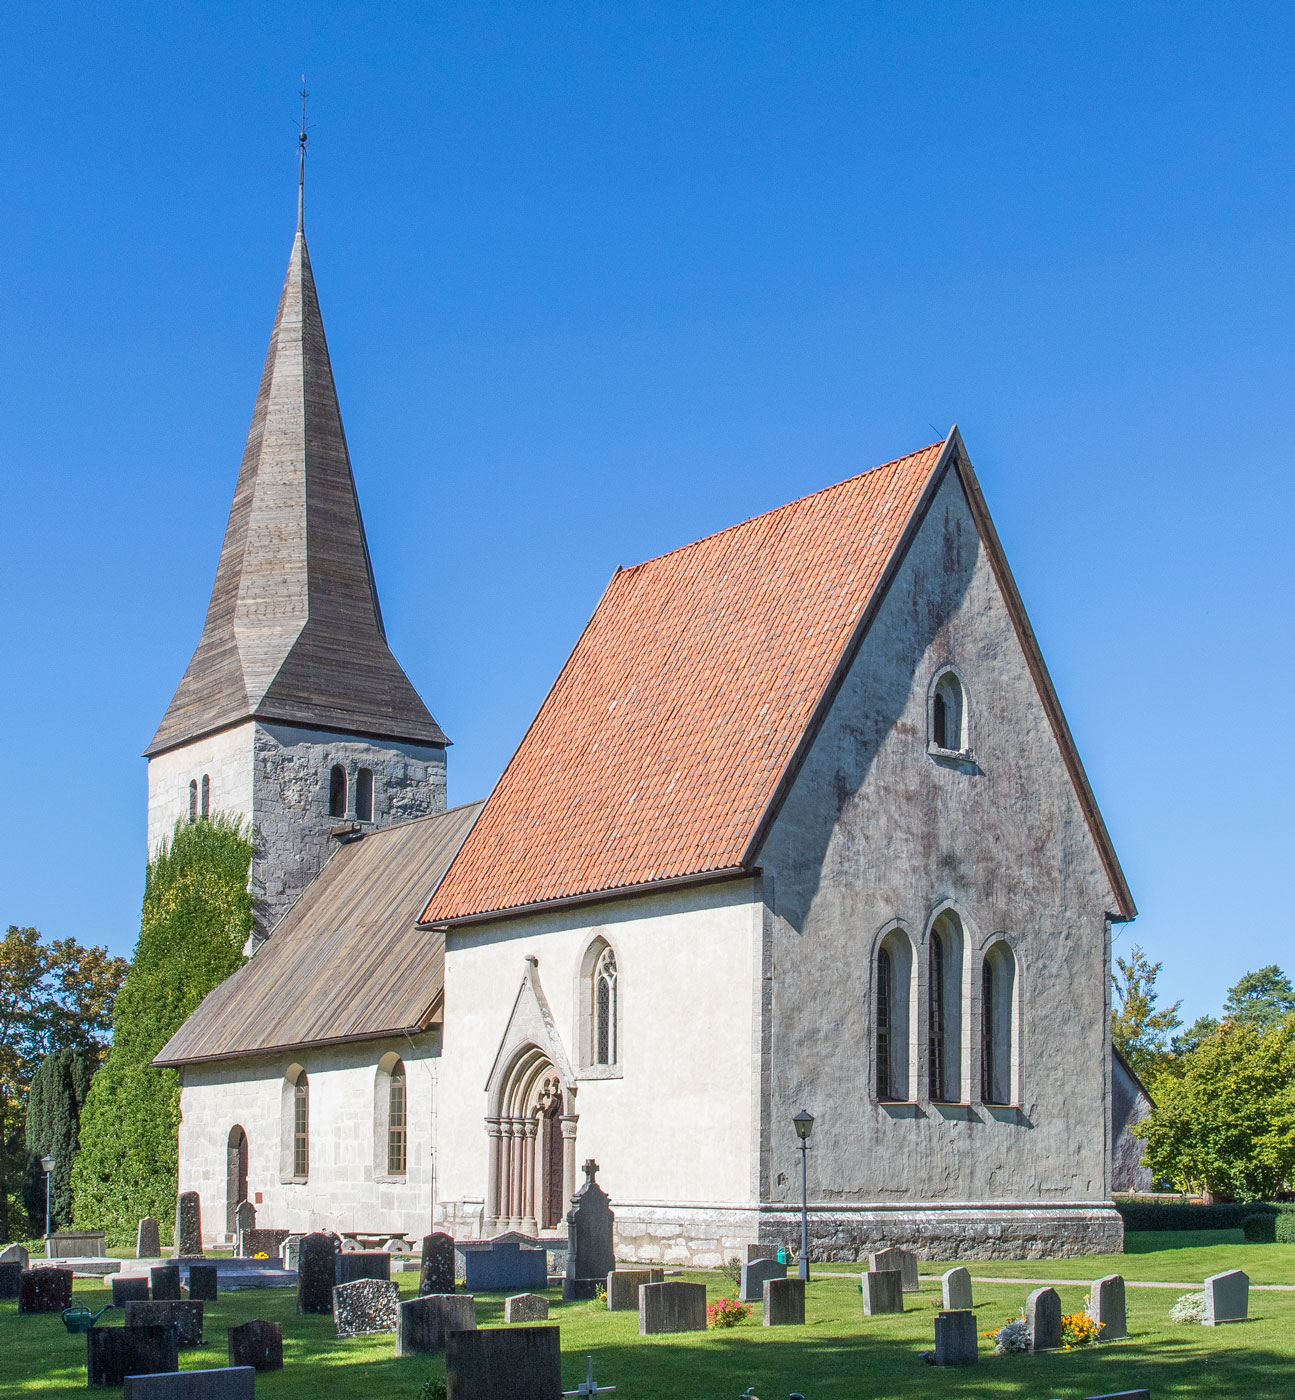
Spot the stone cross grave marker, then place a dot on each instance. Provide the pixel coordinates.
(436, 1273)
(590, 1253)
(955, 1338)
(623, 1287)
(784, 1302)
(754, 1277)
(316, 1273)
(1106, 1307)
(902, 1259)
(220, 1383)
(1043, 1317)
(185, 1316)
(188, 1226)
(1227, 1297)
(44, 1290)
(129, 1288)
(590, 1387)
(504, 1363)
(955, 1288)
(256, 1344)
(164, 1280)
(672, 1307)
(365, 1305)
(148, 1239)
(423, 1323)
(113, 1353)
(883, 1291)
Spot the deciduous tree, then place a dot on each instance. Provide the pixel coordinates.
(1140, 1031)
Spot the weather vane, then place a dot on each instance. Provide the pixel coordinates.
(301, 171)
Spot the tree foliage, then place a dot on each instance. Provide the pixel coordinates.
(1261, 998)
(196, 918)
(1140, 1031)
(54, 1102)
(52, 995)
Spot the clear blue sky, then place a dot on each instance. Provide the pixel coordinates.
(601, 278)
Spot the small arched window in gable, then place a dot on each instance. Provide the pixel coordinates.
(205, 798)
(193, 800)
(364, 795)
(605, 1008)
(337, 791)
(397, 1131)
(950, 731)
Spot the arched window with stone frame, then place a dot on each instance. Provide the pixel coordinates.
(204, 802)
(193, 800)
(945, 1009)
(391, 1118)
(294, 1119)
(948, 714)
(364, 795)
(999, 1021)
(337, 791)
(601, 1008)
(892, 987)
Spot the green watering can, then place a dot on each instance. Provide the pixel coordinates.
(80, 1318)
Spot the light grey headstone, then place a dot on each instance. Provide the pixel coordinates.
(290, 1251)
(883, 1291)
(902, 1259)
(188, 1225)
(784, 1302)
(365, 1305)
(222, 1383)
(623, 1287)
(672, 1307)
(148, 1239)
(15, 1254)
(245, 1217)
(526, 1307)
(1227, 1297)
(1043, 1317)
(1106, 1307)
(185, 1316)
(761, 1251)
(423, 1323)
(955, 1338)
(755, 1275)
(955, 1288)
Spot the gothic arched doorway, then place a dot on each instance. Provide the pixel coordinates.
(235, 1176)
(532, 1148)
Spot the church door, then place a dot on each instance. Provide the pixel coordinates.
(235, 1176)
(553, 1202)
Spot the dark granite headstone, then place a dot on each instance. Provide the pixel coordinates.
(755, 1275)
(165, 1279)
(902, 1259)
(1107, 1309)
(1043, 1317)
(44, 1290)
(672, 1307)
(955, 1339)
(188, 1226)
(129, 1288)
(423, 1323)
(10, 1273)
(360, 1264)
(591, 1255)
(505, 1268)
(204, 1282)
(504, 1363)
(185, 1317)
(221, 1383)
(883, 1291)
(784, 1302)
(113, 1353)
(437, 1272)
(1227, 1297)
(148, 1239)
(245, 1217)
(623, 1287)
(316, 1274)
(365, 1305)
(257, 1344)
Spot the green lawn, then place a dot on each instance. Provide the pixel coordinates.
(839, 1355)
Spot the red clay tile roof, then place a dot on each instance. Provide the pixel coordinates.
(666, 733)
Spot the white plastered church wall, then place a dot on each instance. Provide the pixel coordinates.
(875, 830)
(347, 1187)
(674, 1131)
(225, 757)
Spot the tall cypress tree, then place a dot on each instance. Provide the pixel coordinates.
(54, 1103)
(196, 919)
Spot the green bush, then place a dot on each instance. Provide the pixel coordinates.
(1182, 1215)
(1260, 1229)
(1285, 1231)
(196, 919)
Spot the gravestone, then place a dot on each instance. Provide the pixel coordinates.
(258, 1241)
(244, 1217)
(760, 1251)
(132, 1288)
(1043, 1317)
(623, 1287)
(365, 1305)
(113, 1353)
(526, 1307)
(316, 1274)
(754, 1277)
(1106, 1307)
(436, 1273)
(349, 1245)
(955, 1290)
(204, 1282)
(902, 1259)
(672, 1307)
(883, 1291)
(44, 1290)
(188, 1226)
(505, 1268)
(258, 1345)
(185, 1317)
(15, 1254)
(355, 1264)
(148, 1239)
(784, 1302)
(504, 1363)
(955, 1338)
(590, 1252)
(290, 1251)
(221, 1383)
(10, 1273)
(165, 1281)
(1227, 1297)
(423, 1323)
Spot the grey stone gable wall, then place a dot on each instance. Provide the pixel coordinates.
(874, 830)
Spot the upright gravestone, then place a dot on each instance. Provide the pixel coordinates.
(316, 1274)
(883, 1291)
(148, 1239)
(15, 1254)
(1227, 1297)
(955, 1289)
(221, 1383)
(902, 1259)
(188, 1226)
(504, 1363)
(760, 1251)
(436, 1272)
(258, 1345)
(784, 1302)
(113, 1353)
(955, 1338)
(129, 1288)
(290, 1251)
(1106, 1308)
(526, 1307)
(672, 1307)
(754, 1277)
(44, 1290)
(623, 1287)
(365, 1305)
(1043, 1318)
(10, 1275)
(505, 1268)
(590, 1252)
(184, 1316)
(354, 1264)
(204, 1282)
(165, 1281)
(244, 1218)
(423, 1323)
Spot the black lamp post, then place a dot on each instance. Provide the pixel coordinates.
(804, 1123)
(48, 1164)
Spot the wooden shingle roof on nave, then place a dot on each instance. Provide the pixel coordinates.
(347, 962)
(294, 632)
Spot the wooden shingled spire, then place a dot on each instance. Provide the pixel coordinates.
(294, 632)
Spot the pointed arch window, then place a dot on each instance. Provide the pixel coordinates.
(205, 796)
(998, 1019)
(950, 731)
(364, 795)
(301, 1126)
(935, 1028)
(397, 1129)
(892, 987)
(605, 1008)
(193, 799)
(946, 1013)
(337, 791)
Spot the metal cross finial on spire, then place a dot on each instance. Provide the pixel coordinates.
(301, 172)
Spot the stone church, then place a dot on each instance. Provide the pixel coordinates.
(800, 824)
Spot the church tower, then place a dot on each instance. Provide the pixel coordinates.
(293, 712)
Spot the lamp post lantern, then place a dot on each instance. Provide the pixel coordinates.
(48, 1164)
(804, 1123)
